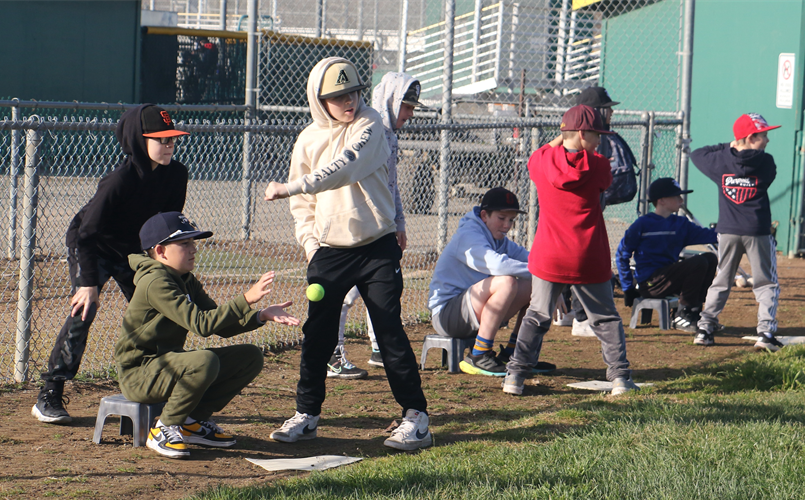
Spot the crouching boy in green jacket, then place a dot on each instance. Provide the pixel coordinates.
(168, 303)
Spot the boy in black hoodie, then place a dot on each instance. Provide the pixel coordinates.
(744, 171)
(105, 231)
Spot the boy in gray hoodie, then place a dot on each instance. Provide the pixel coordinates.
(344, 212)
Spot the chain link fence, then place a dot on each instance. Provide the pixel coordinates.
(51, 160)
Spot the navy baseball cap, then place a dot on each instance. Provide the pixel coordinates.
(665, 187)
(167, 227)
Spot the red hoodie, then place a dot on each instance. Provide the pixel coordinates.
(571, 240)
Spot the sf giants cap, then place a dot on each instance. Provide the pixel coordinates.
(411, 96)
(157, 122)
(751, 123)
(582, 117)
(166, 227)
(339, 79)
(500, 199)
(665, 187)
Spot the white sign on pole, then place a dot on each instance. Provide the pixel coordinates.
(785, 81)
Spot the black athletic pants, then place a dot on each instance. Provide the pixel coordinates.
(65, 358)
(375, 270)
(689, 278)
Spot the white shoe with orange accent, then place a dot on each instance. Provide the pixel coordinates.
(206, 433)
(167, 440)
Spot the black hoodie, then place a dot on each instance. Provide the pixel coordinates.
(108, 226)
(744, 177)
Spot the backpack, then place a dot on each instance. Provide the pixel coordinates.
(622, 162)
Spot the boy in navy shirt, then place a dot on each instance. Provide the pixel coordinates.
(656, 239)
(744, 171)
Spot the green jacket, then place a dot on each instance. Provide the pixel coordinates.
(165, 306)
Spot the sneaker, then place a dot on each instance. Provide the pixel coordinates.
(167, 440)
(300, 427)
(685, 322)
(412, 433)
(542, 366)
(622, 385)
(376, 359)
(768, 343)
(566, 319)
(703, 338)
(49, 407)
(485, 364)
(340, 367)
(582, 329)
(206, 433)
(513, 384)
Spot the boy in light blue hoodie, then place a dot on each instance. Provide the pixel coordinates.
(482, 280)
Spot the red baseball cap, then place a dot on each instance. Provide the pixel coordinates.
(751, 123)
(583, 117)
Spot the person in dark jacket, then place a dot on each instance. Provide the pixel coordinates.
(744, 171)
(656, 240)
(105, 231)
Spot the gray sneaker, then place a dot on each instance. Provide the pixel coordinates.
(622, 385)
(513, 384)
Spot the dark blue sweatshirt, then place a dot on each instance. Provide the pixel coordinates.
(656, 242)
(744, 178)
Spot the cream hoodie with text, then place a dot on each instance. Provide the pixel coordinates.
(338, 179)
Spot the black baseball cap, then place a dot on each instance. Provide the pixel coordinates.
(157, 122)
(167, 227)
(500, 199)
(411, 96)
(665, 187)
(596, 97)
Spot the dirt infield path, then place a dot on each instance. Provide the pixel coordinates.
(41, 460)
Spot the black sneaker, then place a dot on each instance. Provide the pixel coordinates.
(685, 321)
(340, 367)
(542, 366)
(376, 359)
(768, 343)
(49, 407)
(703, 338)
(485, 364)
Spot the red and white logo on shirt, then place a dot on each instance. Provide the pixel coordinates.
(739, 189)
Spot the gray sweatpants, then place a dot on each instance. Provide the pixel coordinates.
(598, 303)
(762, 254)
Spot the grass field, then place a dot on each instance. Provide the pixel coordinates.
(732, 432)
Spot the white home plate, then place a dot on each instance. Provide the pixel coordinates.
(320, 462)
(783, 340)
(599, 385)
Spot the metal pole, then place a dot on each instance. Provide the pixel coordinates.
(687, 69)
(13, 172)
(323, 17)
(447, 102)
(562, 42)
(319, 9)
(222, 24)
(644, 166)
(252, 54)
(476, 40)
(403, 38)
(28, 243)
(360, 19)
(374, 30)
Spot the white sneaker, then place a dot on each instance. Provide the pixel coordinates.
(622, 385)
(566, 319)
(412, 434)
(582, 329)
(300, 427)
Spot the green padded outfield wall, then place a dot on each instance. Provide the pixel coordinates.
(735, 55)
(69, 50)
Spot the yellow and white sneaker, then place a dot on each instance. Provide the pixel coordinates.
(167, 440)
(206, 433)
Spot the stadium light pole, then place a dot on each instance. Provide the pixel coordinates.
(222, 24)
(685, 91)
(252, 49)
(403, 38)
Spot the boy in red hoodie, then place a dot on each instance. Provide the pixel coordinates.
(572, 248)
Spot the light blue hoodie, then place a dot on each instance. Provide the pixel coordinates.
(471, 256)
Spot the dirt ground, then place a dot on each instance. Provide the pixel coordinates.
(40, 460)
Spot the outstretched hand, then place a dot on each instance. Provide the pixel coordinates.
(276, 191)
(277, 314)
(259, 289)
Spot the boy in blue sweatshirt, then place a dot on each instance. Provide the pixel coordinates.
(744, 171)
(656, 241)
(481, 280)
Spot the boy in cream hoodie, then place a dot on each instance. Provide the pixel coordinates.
(344, 212)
